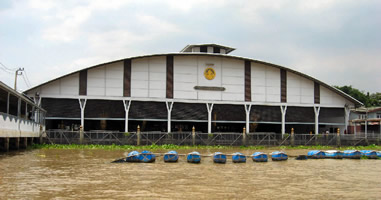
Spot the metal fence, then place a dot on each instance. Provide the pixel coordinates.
(198, 138)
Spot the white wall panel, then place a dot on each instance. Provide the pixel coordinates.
(265, 83)
(328, 97)
(234, 89)
(232, 96)
(233, 79)
(139, 77)
(157, 85)
(156, 93)
(70, 85)
(157, 76)
(186, 95)
(185, 77)
(184, 87)
(209, 95)
(206, 62)
(96, 81)
(52, 88)
(299, 89)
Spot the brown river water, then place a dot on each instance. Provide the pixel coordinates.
(88, 174)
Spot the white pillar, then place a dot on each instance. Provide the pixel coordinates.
(82, 105)
(169, 109)
(283, 109)
(366, 123)
(209, 107)
(347, 112)
(37, 100)
(247, 110)
(317, 111)
(126, 104)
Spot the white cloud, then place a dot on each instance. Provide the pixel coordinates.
(66, 23)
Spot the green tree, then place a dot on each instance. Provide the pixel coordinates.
(367, 99)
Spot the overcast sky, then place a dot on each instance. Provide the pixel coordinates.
(337, 42)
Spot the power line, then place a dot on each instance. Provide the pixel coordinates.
(6, 70)
(27, 78)
(9, 69)
(26, 82)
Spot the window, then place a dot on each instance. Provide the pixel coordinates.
(362, 116)
(379, 115)
(13, 105)
(3, 101)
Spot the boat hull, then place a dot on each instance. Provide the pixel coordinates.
(369, 154)
(171, 157)
(259, 157)
(147, 157)
(279, 156)
(334, 154)
(316, 154)
(133, 157)
(238, 158)
(194, 157)
(352, 154)
(219, 158)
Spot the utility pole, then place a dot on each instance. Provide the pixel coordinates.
(18, 72)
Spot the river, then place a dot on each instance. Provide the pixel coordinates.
(88, 174)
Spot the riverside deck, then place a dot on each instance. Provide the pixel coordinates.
(198, 138)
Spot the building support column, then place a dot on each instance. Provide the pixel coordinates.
(127, 104)
(347, 113)
(82, 105)
(317, 111)
(209, 107)
(283, 110)
(37, 100)
(23, 143)
(4, 144)
(8, 103)
(355, 125)
(14, 143)
(247, 110)
(169, 105)
(366, 124)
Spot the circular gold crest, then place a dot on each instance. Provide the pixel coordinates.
(209, 73)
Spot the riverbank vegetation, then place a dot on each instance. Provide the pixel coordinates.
(176, 147)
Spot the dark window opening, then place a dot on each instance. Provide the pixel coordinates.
(3, 101)
(23, 110)
(13, 105)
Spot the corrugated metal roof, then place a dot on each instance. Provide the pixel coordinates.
(337, 91)
(20, 95)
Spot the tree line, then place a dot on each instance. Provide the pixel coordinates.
(369, 100)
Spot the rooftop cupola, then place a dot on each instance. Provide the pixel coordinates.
(207, 48)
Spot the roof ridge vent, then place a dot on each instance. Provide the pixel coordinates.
(207, 48)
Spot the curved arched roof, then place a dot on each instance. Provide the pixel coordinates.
(339, 92)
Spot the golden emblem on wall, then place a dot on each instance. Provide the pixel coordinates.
(209, 73)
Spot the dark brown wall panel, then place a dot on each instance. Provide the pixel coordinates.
(83, 82)
(247, 80)
(283, 86)
(127, 78)
(169, 93)
(317, 93)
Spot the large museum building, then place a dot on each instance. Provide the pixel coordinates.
(201, 86)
